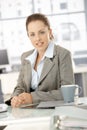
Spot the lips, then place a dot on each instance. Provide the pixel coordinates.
(39, 43)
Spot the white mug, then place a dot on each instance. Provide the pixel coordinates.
(71, 91)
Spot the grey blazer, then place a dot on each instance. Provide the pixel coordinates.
(56, 71)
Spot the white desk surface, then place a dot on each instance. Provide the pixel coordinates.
(31, 119)
(32, 126)
(41, 119)
(26, 118)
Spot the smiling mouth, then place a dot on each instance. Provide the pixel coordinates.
(39, 44)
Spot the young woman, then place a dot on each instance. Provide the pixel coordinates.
(45, 68)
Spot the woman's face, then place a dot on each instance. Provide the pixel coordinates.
(39, 35)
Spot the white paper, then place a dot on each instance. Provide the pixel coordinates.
(3, 107)
(73, 122)
(71, 116)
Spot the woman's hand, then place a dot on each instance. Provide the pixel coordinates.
(26, 98)
(23, 98)
(16, 101)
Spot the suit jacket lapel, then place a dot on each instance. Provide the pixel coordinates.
(48, 64)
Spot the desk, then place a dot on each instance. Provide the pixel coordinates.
(80, 69)
(25, 119)
(35, 119)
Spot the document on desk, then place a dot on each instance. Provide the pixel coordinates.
(70, 116)
(3, 107)
(53, 104)
(73, 122)
(82, 102)
(47, 104)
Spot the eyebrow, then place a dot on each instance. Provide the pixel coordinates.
(39, 30)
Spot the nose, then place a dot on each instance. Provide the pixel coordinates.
(37, 37)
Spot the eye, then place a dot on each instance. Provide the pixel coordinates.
(42, 32)
(32, 35)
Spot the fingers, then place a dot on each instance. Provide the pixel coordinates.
(22, 98)
(26, 97)
(16, 101)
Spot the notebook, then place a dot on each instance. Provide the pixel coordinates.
(69, 117)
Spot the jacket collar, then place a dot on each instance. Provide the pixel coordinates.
(48, 53)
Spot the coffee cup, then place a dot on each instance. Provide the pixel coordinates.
(69, 92)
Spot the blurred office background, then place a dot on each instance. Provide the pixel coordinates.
(68, 20)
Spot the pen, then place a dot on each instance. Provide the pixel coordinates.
(28, 105)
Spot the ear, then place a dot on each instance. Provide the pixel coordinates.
(50, 31)
(51, 34)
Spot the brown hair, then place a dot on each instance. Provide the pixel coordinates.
(38, 16)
